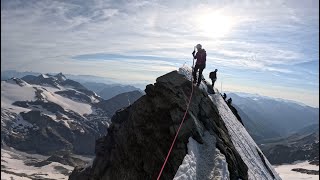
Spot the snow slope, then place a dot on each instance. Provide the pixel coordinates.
(241, 139)
(11, 92)
(65, 103)
(286, 173)
(13, 167)
(203, 161)
(243, 142)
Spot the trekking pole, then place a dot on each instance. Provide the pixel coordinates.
(193, 58)
(192, 66)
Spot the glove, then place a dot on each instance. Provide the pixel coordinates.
(193, 52)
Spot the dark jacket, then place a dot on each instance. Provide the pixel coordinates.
(201, 56)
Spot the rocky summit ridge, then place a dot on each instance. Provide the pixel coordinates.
(140, 135)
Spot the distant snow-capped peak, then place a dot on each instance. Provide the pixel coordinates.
(257, 97)
(17, 81)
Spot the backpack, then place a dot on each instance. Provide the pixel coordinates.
(212, 75)
(201, 56)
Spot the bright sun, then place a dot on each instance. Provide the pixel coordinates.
(214, 24)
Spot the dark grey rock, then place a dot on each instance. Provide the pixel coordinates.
(140, 135)
(306, 171)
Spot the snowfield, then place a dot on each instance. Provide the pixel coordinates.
(203, 161)
(13, 92)
(14, 167)
(65, 103)
(14, 164)
(286, 173)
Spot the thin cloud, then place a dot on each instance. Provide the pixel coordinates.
(260, 36)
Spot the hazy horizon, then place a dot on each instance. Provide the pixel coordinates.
(261, 47)
(143, 86)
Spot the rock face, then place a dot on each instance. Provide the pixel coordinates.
(140, 136)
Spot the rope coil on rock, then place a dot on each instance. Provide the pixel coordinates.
(184, 116)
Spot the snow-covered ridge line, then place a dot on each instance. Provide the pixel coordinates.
(258, 166)
(244, 144)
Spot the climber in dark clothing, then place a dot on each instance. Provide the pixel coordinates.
(213, 77)
(224, 96)
(229, 101)
(201, 57)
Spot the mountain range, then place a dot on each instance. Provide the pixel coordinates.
(107, 91)
(300, 146)
(267, 117)
(49, 113)
(286, 131)
(130, 133)
(89, 81)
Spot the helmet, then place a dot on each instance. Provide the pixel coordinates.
(198, 46)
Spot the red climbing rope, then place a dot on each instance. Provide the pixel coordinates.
(174, 140)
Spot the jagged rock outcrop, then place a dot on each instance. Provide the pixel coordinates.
(140, 136)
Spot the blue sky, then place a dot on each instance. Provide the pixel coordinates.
(266, 47)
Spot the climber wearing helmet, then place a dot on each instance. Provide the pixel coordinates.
(201, 56)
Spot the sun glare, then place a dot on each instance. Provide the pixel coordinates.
(215, 25)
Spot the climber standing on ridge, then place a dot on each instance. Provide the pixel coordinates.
(224, 96)
(229, 101)
(213, 77)
(201, 57)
